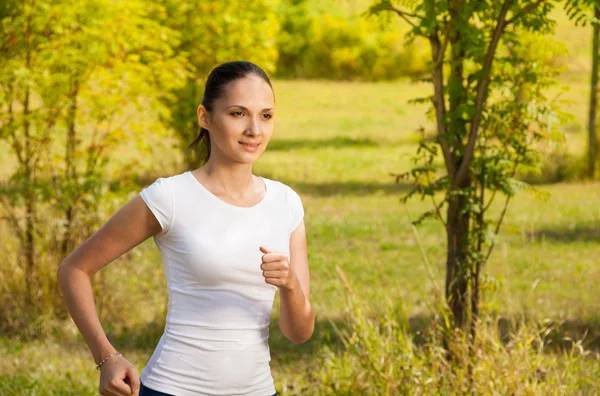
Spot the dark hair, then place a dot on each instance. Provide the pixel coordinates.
(214, 87)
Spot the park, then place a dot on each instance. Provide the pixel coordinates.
(445, 153)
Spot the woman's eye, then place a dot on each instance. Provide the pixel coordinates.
(234, 113)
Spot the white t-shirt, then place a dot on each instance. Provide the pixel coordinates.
(215, 340)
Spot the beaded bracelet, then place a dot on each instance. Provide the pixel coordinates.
(106, 358)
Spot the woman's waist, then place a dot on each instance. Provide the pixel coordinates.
(193, 370)
(216, 337)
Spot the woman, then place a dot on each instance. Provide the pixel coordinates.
(228, 240)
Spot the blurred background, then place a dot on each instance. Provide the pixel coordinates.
(98, 98)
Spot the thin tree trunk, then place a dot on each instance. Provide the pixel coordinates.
(456, 90)
(457, 273)
(592, 141)
(70, 169)
(475, 292)
(457, 270)
(29, 191)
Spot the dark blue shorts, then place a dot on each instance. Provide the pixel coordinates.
(145, 391)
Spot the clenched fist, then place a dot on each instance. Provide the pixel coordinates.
(118, 377)
(276, 268)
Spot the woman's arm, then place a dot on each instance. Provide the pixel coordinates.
(127, 228)
(297, 317)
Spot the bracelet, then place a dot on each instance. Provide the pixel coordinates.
(106, 358)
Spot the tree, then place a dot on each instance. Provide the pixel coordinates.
(488, 81)
(25, 127)
(73, 75)
(583, 12)
(110, 70)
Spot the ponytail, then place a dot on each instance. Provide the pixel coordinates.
(202, 140)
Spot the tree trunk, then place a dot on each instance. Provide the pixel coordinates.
(592, 141)
(30, 198)
(477, 265)
(457, 263)
(70, 170)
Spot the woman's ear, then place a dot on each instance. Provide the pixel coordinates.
(203, 117)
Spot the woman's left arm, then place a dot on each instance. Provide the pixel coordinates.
(296, 315)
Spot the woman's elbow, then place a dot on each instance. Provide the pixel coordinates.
(302, 338)
(299, 341)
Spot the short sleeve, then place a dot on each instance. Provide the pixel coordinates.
(296, 209)
(158, 196)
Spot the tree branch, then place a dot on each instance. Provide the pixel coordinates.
(45, 136)
(501, 218)
(497, 230)
(16, 144)
(404, 15)
(408, 14)
(482, 89)
(12, 219)
(436, 205)
(444, 44)
(524, 11)
(439, 102)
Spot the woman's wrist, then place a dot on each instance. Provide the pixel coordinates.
(106, 358)
(103, 352)
(292, 285)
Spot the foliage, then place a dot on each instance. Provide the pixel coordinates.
(581, 11)
(330, 43)
(74, 77)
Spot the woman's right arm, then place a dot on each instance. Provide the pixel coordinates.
(128, 227)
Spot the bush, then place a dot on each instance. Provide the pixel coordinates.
(381, 357)
(558, 165)
(334, 44)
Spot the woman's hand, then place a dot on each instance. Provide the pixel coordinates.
(118, 377)
(276, 268)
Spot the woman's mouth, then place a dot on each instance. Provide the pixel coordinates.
(249, 147)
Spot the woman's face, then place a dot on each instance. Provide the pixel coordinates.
(243, 114)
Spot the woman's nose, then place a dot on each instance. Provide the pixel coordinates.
(254, 126)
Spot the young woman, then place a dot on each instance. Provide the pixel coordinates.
(228, 239)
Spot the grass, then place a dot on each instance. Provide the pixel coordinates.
(336, 144)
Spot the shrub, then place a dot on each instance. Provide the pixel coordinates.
(380, 356)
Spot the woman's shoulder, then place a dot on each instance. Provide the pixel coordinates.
(166, 178)
(283, 190)
(292, 201)
(168, 184)
(175, 179)
(277, 185)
